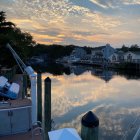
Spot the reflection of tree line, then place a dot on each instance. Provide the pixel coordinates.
(105, 74)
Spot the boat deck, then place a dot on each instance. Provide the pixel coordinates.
(18, 103)
(15, 103)
(23, 136)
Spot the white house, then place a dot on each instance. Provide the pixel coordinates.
(77, 54)
(103, 51)
(117, 57)
(132, 57)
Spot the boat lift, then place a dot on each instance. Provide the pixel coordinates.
(33, 79)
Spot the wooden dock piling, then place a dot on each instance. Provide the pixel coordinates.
(89, 128)
(39, 96)
(24, 89)
(47, 108)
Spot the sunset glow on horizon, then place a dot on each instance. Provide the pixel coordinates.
(79, 22)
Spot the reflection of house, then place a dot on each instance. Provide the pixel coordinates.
(103, 74)
(102, 52)
(78, 70)
(132, 57)
(117, 57)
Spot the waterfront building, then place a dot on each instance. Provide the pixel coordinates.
(103, 52)
(117, 57)
(132, 57)
(78, 52)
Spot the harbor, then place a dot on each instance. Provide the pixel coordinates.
(69, 70)
(36, 105)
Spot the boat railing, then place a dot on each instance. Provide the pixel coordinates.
(130, 128)
(37, 130)
(137, 135)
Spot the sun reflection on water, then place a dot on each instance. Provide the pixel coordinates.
(116, 102)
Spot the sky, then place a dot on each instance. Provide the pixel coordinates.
(79, 22)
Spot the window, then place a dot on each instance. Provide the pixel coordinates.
(114, 58)
(129, 57)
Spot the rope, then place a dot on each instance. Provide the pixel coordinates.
(130, 127)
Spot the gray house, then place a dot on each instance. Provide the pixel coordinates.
(103, 52)
(117, 57)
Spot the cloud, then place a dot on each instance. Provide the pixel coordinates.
(107, 3)
(57, 20)
(131, 2)
(97, 2)
(65, 22)
(114, 4)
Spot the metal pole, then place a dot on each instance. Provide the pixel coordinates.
(34, 97)
(24, 90)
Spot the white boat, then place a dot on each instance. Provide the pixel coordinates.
(64, 134)
(3, 82)
(8, 90)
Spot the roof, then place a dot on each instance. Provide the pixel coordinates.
(119, 52)
(99, 48)
(137, 53)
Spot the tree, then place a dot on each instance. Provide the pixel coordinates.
(9, 32)
(134, 48)
(124, 48)
(5, 26)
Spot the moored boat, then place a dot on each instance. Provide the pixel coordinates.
(8, 90)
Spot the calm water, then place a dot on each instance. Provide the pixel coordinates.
(114, 98)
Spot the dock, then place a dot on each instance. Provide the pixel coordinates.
(16, 116)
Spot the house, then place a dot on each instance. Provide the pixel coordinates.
(116, 57)
(78, 52)
(132, 57)
(103, 52)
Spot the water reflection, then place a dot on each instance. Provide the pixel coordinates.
(115, 102)
(105, 74)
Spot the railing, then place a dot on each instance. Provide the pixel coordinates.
(133, 61)
(37, 130)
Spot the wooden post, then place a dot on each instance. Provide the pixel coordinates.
(39, 96)
(47, 108)
(89, 128)
(24, 90)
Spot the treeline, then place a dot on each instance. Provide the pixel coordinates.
(26, 47)
(133, 48)
(53, 51)
(24, 44)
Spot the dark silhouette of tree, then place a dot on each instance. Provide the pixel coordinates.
(125, 48)
(9, 32)
(134, 47)
(5, 26)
